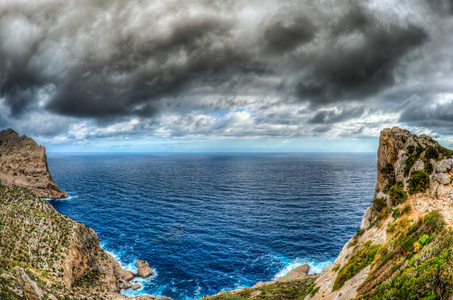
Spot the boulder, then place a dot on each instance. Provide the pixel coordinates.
(442, 178)
(163, 298)
(135, 286)
(298, 273)
(143, 268)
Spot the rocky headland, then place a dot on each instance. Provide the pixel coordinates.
(403, 249)
(24, 163)
(44, 254)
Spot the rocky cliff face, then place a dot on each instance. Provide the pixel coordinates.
(403, 249)
(43, 254)
(24, 163)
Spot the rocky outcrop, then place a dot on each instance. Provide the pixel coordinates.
(300, 272)
(43, 254)
(24, 163)
(413, 183)
(143, 268)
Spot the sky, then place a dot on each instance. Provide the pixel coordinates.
(225, 76)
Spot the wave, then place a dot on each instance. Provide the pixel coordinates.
(132, 266)
(290, 264)
(69, 198)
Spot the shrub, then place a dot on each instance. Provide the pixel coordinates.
(410, 149)
(428, 167)
(388, 170)
(396, 213)
(397, 194)
(419, 182)
(431, 153)
(406, 209)
(379, 204)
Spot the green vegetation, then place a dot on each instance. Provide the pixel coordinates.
(388, 171)
(414, 155)
(379, 204)
(416, 263)
(295, 289)
(397, 194)
(419, 182)
(428, 167)
(431, 153)
(35, 237)
(360, 260)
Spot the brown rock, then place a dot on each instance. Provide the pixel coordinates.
(300, 272)
(24, 163)
(135, 286)
(143, 268)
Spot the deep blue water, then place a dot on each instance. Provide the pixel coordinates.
(208, 223)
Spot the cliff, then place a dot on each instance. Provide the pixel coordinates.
(43, 254)
(24, 163)
(404, 247)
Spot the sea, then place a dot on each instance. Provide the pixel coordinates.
(207, 223)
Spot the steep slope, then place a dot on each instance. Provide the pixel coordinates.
(403, 249)
(61, 256)
(43, 254)
(24, 163)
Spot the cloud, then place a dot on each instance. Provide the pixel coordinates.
(336, 115)
(104, 69)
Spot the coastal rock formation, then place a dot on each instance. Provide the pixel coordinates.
(143, 268)
(24, 163)
(300, 272)
(44, 254)
(404, 247)
(405, 231)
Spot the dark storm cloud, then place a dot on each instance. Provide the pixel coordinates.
(112, 60)
(362, 67)
(428, 112)
(335, 116)
(280, 37)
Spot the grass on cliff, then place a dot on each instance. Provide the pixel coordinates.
(362, 258)
(416, 262)
(295, 289)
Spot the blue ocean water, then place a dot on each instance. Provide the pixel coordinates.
(213, 222)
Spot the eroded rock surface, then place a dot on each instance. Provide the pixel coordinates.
(24, 163)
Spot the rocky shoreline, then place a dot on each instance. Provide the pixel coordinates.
(44, 254)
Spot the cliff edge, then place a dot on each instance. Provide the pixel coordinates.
(44, 254)
(403, 249)
(24, 163)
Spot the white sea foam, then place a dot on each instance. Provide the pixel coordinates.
(70, 197)
(132, 266)
(315, 266)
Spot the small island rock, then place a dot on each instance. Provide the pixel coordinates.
(143, 268)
